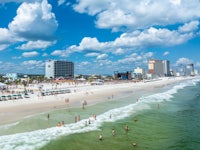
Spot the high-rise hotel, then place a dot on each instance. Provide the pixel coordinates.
(159, 67)
(57, 68)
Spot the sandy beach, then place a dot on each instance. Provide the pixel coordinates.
(15, 110)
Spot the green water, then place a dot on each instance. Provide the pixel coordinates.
(175, 125)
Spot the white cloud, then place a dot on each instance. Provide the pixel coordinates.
(59, 53)
(60, 2)
(130, 41)
(30, 54)
(166, 53)
(139, 14)
(118, 51)
(6, 36)
(102, 56)
(44, 54)
(16, 57)
(33, 64)
(92, 54)
(34, 21)
(3, 46)
(85, 63)
(36, 45)
(17, 1)
(136, 58)
(183, 61)
(34, 24)
(189, 27)
(91, 6)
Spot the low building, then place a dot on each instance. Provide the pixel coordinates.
(139, 73)
(14, 76)
(123, 75)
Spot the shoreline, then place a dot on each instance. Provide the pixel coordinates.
(13, 111)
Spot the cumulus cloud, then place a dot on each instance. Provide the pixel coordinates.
(183, 61)
(135, 57)
(130, 41)
(34, 21)
(166, 53)
(118, 51)
(33, 64)
(30, 54)
(6, 36)
(34, 24)
(92, 54)
(36, 45)
(102, 56)
(91, 6)
(139, 14)
(188, 27)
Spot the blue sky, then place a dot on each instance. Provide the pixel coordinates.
(99, 36)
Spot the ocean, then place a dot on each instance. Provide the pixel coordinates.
(158, 118)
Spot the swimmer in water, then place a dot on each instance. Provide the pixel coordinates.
(126, 128)
(100, 137)
(113, 132)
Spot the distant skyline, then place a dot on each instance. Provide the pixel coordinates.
(99, 36)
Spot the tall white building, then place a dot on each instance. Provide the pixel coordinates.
(56, 68)
(189, 70)
(159, 67)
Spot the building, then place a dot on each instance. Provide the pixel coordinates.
(159, 67)
(139, 73)
(59, 69)
(123, 75)
(14, 76)
(189, 70)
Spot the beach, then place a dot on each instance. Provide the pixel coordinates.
(14, 110)
(160, 107)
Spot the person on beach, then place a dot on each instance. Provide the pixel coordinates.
(113, 132)
(100, 137)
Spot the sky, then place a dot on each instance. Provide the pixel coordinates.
(99, 36)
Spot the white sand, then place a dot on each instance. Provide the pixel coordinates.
(14, 110)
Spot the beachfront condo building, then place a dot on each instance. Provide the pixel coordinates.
(59, 69)
(159, 67)
(189, 70)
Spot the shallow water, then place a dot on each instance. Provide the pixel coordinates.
(172, 125)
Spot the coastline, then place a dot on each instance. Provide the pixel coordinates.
(16, 110)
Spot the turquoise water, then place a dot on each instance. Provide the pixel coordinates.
(169, 118)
